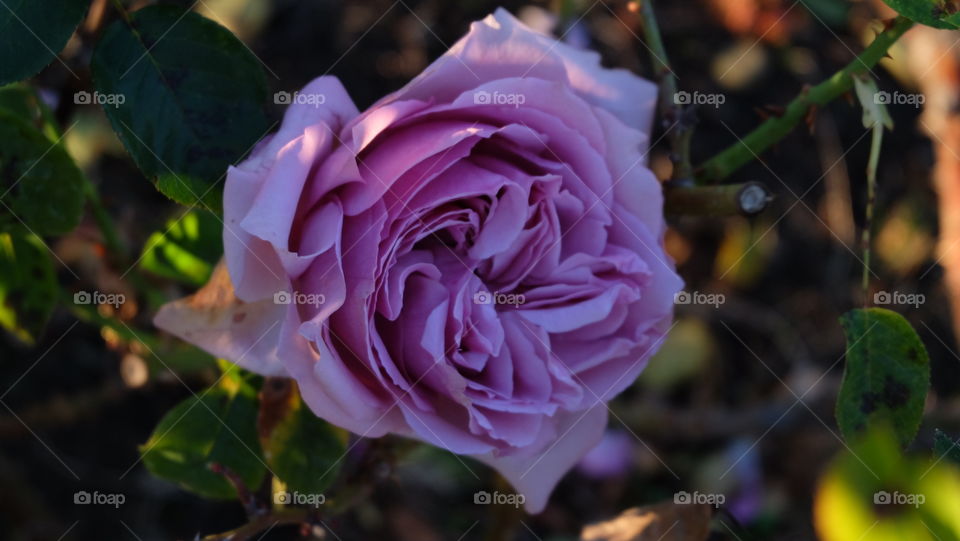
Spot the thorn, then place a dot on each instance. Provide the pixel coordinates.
(888, 23)
(811, 117)
(766, 111)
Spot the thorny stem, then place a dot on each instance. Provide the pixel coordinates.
(746, 199)
(678, 120)
(776, 128)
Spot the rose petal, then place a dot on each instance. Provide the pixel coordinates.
(223, 325)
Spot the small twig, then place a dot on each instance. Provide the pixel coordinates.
(677, 119)
(776, 128)
(244, 494)
(747, 199)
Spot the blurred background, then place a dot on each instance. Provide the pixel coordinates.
(739, 400)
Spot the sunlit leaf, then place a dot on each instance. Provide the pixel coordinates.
(887, 374)
(873, 493)
(186, 249)
(32, 32)
(188, 98)
(28, 285)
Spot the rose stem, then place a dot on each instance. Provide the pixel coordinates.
(676, 120)
(104, 222)
(775, 128)
(747, 199)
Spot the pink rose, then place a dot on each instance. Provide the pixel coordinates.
(475, 261)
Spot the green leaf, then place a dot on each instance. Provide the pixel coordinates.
(886, 377)
(216, 426)
(192, 101)
(28, 285)
(32, 32)
(186, 250)
(24, 102)
(41, 188)
(945, 447)
(303, 450)
(935, 13)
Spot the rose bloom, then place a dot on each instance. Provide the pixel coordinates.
(476, 261)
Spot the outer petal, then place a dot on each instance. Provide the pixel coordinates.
(255, 265)
(500, 46)
(223, 325)
(535, 475)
